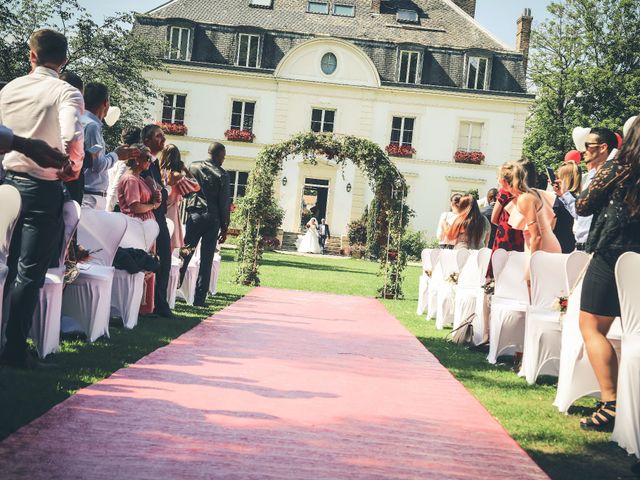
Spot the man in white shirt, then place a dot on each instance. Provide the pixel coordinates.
(39, 106)
(600, 146)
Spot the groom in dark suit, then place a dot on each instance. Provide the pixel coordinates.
(323, 233)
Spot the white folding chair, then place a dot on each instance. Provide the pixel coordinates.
(470, 285)
(482, 301)
(627, 427)
(432, 292)
(187, 290)
(128, 288)
(576, 378)
(174, 273)
(215, 273)
(45, 328)
(508, 307)
(543, 330)
(86, 303)
(429, 258)
(9, 214)
(452, 262)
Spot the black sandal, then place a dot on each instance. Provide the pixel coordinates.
(603, 419)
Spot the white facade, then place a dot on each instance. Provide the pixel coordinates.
(283, 106)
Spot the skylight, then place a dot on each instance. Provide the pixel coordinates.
(407, 16)
(261, 3)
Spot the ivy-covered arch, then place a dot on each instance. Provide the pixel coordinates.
(388, 184)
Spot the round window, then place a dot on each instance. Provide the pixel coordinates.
(329, 63)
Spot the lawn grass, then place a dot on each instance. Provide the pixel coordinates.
(553, 440)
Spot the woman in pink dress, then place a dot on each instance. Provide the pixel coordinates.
(138, 199)
(177, 176)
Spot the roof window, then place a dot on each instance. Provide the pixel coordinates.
(261, 3)
(342, 10)
(407, 16)
(317, 6)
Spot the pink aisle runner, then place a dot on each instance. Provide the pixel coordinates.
(279, 385)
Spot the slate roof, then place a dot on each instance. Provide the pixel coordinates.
(442, 23)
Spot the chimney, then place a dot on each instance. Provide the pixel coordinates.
(523, 35)
(375, 6)
(469, 6)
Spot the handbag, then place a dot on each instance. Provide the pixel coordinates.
(463, 335)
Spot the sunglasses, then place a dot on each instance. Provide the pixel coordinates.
(588, 145)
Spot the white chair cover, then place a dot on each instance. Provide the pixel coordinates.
(432, 292)
(452, 262)
(45, 328)
(215, 273)
(128, 289)
(543, 331)
(187, 290)
(470, 283)
(429, 258)
(576, 378)
(86, 303)
(482, 300)
(508, 307)
(174, 273)
(627, 427)
(9, 214)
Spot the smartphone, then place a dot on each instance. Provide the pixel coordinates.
(95, 149)
(551, 174)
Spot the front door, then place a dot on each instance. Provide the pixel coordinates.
(315, 195)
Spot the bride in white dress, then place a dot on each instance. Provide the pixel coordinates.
(310, 243)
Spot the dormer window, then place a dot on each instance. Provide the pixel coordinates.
(179, 43)
(344, 10)
(407, 16)
(261, 3)
(409, 61)
(248, 51)
(318, 6)
(477, 70)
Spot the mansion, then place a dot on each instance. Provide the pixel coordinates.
(421, 78)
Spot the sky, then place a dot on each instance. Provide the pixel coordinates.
(498, 16)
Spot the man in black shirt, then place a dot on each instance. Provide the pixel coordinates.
(207, 217)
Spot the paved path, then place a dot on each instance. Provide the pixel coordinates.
(279, 385)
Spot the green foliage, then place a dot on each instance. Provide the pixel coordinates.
(474, 193)
(374, 238)
(383, 176)
(357, 232)
(584, 64)
(107, 52)
(413, 242)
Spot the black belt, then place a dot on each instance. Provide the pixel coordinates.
(581, 246)
(98, 194)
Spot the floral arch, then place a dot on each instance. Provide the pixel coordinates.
(388, 184)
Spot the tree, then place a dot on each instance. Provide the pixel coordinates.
(585, 65)
(107, 52)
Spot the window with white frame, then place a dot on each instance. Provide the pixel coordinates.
(238, 183)
(179, 40)
(322, 120)
(402, 131)
(173, 108)
(409, 61)
(470, 138)
(242, 116)
(477, 70)
(248, 50)
(318, 6)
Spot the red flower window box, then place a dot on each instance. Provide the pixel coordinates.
(239, 135)
(474, 158)
(400, 150)
(173, 128)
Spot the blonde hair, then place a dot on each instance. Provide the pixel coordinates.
(569, 174)
(169, 158)
(514, 174)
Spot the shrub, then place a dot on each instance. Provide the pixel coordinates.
(475, 158)
(358, 232)
(239, 135)
(413, 243)
(400, 150)
(173, 128)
